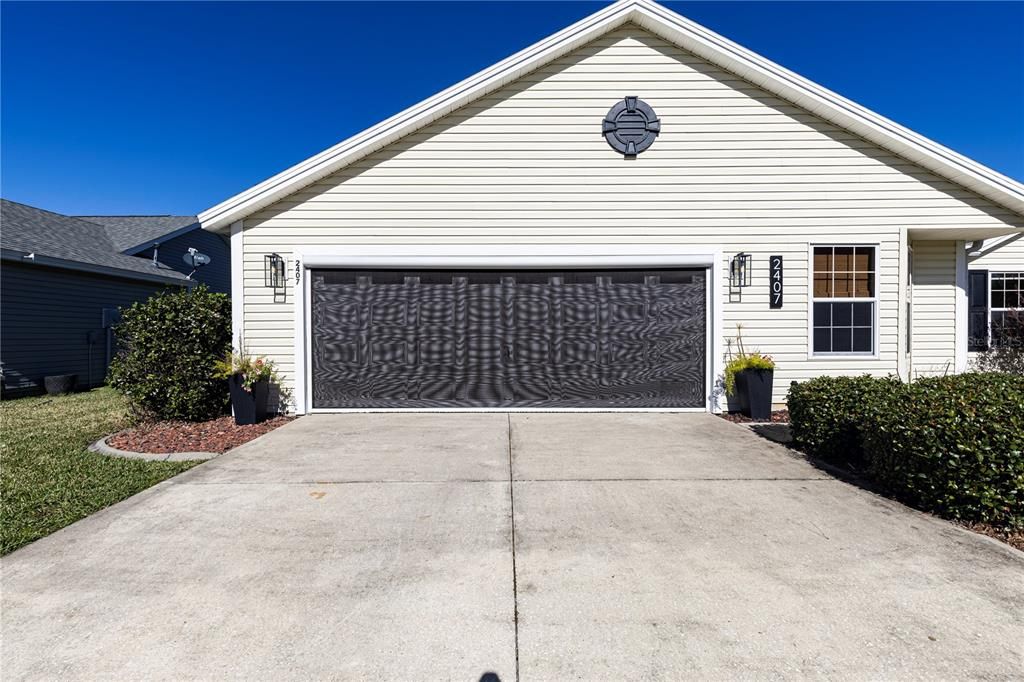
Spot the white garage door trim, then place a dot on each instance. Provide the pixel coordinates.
(506, 257)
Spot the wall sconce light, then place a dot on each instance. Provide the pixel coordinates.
(273, 271)
(273, 274)
(739, 271)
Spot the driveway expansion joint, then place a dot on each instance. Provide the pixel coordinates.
(512, 517)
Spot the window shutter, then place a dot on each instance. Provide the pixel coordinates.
(977, 310)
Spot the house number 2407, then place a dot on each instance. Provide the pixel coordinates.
(775, 281)
(298, 271)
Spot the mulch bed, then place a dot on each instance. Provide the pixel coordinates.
(1012, 538)
(778, 417)
(216, 435)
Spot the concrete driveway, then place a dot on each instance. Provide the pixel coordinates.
(537, 546)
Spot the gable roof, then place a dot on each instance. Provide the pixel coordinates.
(62, 241)
(134, 233)
(674, 28)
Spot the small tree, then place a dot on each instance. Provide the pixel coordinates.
(170, 345)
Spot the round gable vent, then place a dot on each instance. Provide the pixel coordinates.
(631, 126)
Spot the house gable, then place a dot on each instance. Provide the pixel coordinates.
(677, 31)
(530, 158)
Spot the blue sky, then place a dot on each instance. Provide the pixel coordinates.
(173, 107)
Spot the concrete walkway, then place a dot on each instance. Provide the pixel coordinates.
(537, 546)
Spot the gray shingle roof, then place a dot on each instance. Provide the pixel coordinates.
(131, 231)
(32, 230)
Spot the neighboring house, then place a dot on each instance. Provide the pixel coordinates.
(170, 237)
(63, 279)
(586, 223)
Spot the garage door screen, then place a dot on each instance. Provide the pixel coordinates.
(399, 339)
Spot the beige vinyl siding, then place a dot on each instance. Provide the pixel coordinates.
(933, 332)
(734, 167)
(1008, 256)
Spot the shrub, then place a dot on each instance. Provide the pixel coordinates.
(953, 446)
(826, 415)
(170, 345)
(1006, 354)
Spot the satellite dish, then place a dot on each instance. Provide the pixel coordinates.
(194, 259)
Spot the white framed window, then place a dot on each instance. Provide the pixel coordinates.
(1006, 306)
(844, 300)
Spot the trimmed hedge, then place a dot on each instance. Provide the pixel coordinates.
(952, 445)
(170, 345)
(826, 414)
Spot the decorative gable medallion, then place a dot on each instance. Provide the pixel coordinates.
(631, 126)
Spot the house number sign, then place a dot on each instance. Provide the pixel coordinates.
(298, 271)
(775, 281)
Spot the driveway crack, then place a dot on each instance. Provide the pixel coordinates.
(512, 511)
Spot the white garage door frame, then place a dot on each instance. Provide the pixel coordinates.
(506, 257)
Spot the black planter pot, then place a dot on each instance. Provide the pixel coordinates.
(756, 392)
(260, 393)
(742, 397)
(60, 383)
(249, 407)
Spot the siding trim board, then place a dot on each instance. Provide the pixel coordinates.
(506, 257)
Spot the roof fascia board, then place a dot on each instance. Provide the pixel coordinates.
(60, 263)
(160, 240)
(957, 233)
(665, 23)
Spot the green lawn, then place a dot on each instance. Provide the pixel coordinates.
(47, 477)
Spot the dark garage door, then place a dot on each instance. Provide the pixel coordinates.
(610, 338)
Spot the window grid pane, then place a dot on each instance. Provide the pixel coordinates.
(822, 285)
(1007, 290)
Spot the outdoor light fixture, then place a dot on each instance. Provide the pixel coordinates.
(273, 276)
(739, 271)
(273, 271)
